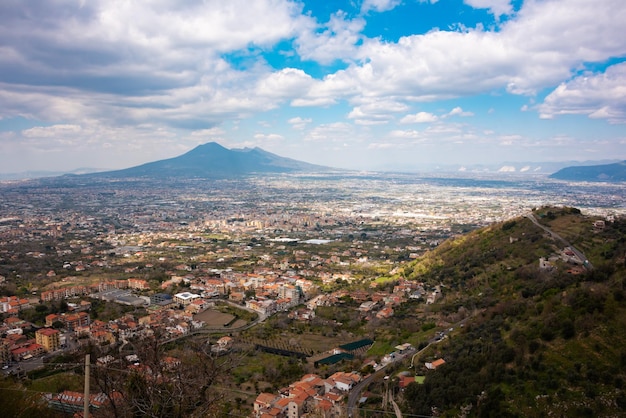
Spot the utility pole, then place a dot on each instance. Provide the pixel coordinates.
(86, 394)
(386, 394)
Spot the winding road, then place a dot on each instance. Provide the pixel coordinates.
(579, 254)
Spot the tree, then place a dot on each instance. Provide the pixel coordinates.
(179, 383)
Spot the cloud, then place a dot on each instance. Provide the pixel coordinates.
(420, 117)
(52, 131)
(284, 84)
(379, 5)
(405, 134)
(527, 53)
(507, 169)
(119, 69)
(379, 145)
(457, 111)
(599, 96)
(377, 111)
(210, 133)
(268, 137)
(133, 62)
(496, 7)
(338, 40)
(299, 123)
(332, 132)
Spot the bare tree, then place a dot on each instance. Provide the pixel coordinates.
(179, 383)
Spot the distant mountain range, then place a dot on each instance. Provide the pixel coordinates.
(607, 172)
(212, 160)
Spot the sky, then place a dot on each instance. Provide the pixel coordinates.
(358, 84)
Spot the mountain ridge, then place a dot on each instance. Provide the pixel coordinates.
(543, 333)
(212, 160)
(615, 172)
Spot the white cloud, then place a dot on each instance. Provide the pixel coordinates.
(507, 169)
(458, 111)
(407, 134)
(165, 58)
(497, 7)
(528, 53)
(420, 117)
(337, 42)
(171, 72)
(268, 137)
(210, 133)
(381, 145)
(332, 132)
(299, 123)
(52, 131)
(379, 5)
(377, 111)
(284, 84)
(599, 96)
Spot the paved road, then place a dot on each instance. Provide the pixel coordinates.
(355, 393)
(579, 254)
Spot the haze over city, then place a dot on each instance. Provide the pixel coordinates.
(373, 84)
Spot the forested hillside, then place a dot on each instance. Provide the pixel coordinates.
(545, 339)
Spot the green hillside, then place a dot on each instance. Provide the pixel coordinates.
(540, 342)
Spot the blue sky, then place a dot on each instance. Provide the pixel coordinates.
(361, 84)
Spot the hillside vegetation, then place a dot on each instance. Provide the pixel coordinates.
(547, 341)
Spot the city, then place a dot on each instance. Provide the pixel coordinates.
(107, 264)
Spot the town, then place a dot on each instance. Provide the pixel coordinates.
(291, 267)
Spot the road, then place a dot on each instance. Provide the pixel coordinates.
(579, 254)
(355, 393)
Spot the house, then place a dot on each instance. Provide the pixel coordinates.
(433, 365)
(385, 313)
(367, 306)
(342, 381)
(27, 351)
(197, 306)
(222, 345)
(264, 401)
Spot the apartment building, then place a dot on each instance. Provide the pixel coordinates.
(48, 338)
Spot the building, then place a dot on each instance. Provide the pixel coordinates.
(185, 298)
(5, 352)
(138, 284)
(76, 320)
(161, 299)
(433, 365)
(27, 351)
(48, 338)
(72, 402)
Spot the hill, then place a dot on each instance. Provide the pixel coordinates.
(212, 160)
(606, 172)
(540, 339)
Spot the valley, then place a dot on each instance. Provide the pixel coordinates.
(270, 276)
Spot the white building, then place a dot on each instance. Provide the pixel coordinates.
(185, 298)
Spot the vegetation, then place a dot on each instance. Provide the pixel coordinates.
(534, 342)
(542, 341)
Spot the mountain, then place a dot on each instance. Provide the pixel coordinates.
(212, 160)
(25, 175)
(535, 331)
(608, 172)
